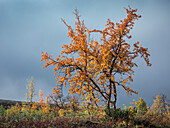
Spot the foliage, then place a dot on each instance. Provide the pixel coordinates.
(89, 104)
(117, 114)
(159, 106)
(95, 66)
(2, 111)
(141, 106)
(42, 116)
(73, 104)
(41, 99)
(58, 98)
(155, 116)
(160, 120)
(31, 90)
(61, 112)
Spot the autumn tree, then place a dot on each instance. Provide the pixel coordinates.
(31, 90)
(160, 104)
(95, 67)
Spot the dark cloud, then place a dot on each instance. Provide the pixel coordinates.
(29, 27)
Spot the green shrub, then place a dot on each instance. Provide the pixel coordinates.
(119, 114)
(2, 110)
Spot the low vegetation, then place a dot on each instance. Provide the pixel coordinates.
(42, 114)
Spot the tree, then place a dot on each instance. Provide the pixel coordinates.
(164, 102)
(59, 100)
(31, 90)
(141, 106)
(160, 104)
(98, 67)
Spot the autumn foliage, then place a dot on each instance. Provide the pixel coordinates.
(94, 67)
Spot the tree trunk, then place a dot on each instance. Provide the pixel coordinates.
(115, 97)
(108, 107)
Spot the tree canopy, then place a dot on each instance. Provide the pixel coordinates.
(95, 68)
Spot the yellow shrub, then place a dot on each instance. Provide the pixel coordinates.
(61, 112)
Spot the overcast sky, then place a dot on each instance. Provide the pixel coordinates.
(28, 27)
